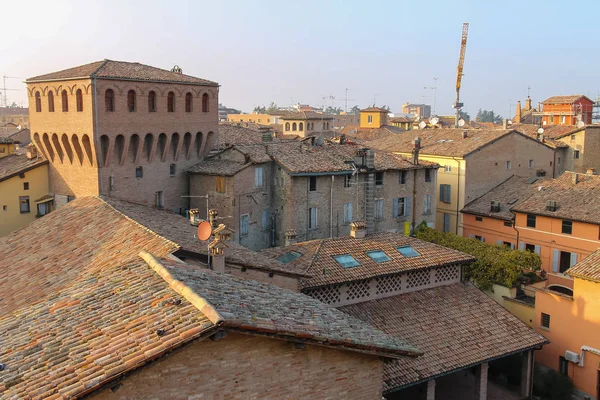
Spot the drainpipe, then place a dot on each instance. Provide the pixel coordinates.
(457, 193)
(514, 226)
(414, 201)
(273, 221)
(331, 207)
(96, 133)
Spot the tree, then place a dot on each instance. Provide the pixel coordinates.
(355, 110)
(333, 110)
(272, 108)
(387, 108)
(497, 264)
(465, 115)
(488, 116)
(260, 109)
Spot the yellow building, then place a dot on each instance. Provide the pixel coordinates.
(373, 117)
(23, 190)
(260, 119)
(7, 146)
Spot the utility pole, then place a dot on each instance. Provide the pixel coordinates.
(346, 101)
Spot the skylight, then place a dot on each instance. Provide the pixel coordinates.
(288, 257)
(378, 256)
(346, 261)
(408, 251)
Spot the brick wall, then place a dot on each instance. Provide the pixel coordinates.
(246, 367)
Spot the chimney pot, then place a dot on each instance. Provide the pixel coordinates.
(358, 229)
(290, 237)
(465, 134)
(575, 178)
(504, 123)
(518, 114)
(590, 171)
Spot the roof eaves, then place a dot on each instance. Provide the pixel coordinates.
(29, 168)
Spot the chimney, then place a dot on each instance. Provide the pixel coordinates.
(465, 134)
(218, 246)
(358, 229)
(212, 218)
(415, 151)
(370, 158)
(291, 237)
(505, 123)
(528, 104)
(342, 138)
(31, 152)
(194, 216)
(541, 137)
(518, 115)
(539, 107)
(574, 178)
(590, 171)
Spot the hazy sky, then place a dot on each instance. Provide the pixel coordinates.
(302, 51)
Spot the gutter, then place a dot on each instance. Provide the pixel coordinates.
(457, 193)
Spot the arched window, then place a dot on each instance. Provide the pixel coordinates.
(109, 100)
(188, 102)
(294, 126)
(50, 101)
(300, 126)
(65, 101)
(38, 102)
(205, 102)
(287, 126)
(171, 102)
(131, 99)
(152, 101)
(79, 100)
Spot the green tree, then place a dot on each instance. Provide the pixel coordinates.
(272, 108)
(260, 109)
(355, 110)
(488, 116)
(495, 263)
(333, 110)
(465, 115)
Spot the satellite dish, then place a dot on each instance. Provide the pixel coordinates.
(540, 130)
(204, 230)
(422, 125)
(580, 124)
(434, 120)
(461, 122)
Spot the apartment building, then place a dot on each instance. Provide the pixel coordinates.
(309, 190)
(566, 110)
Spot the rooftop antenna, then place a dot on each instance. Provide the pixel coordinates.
(434, 88)
(375, 99)
(346, 101)
(4, 88)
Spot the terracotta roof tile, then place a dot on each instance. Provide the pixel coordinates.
(317, 257)
(375, 109)
(576, 201)
(15, 164)
(212, 166)
(563, 99)
(6, 140)
(305, 115)
(122, 70)
(457, 326)
(551, 133)
(588, 268)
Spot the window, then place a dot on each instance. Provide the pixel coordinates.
(152, 101)
(402, 177)
(65, 101)
(172, 169)
(408, 251)
(220, 184)
(205, 102)
(563, 119)
(265, 220)
(38, 102)
(287, 126)
(258, 176)
(480, 238)
(25, 185)
(531, 221)
(567, 227)
(576, 154)
(131, 100)
(446, 227)
(288, 257)
(43, 209)
(347, 213)
(370, 119)
(79, 100)
(508, 244)
(531, 164)
(346, 261)
(109, 100)
(160, 199)
(378, 178)
(24, 204)
(378, 256)
(50, 101)
(448, 168)
(139, 172)
(399, 207)
(312, 183)
(188, 102)
(545, 323)
(566, 261)
(508, 223)
(379, 209)
(427, 204)
(508, 165)
(530, 247)
(347, 181)
(313, 218)
(294, 126)
(445, 193)
(244, 219)
(478, 219)
(300, 126)
(563, 366)
(427, 175)
(572, 138)
(171, 102)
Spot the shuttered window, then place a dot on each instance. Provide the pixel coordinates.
(379, 209)
(427, 204)
(313, 218)
(545, 321)
(347, 213)
(258, 176)
(445, 193)
(244, 220)
(220, 184)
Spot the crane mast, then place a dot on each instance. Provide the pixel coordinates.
(459, 72)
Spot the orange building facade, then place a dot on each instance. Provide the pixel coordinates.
(567, 110)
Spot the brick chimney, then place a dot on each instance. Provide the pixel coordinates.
(574, 178)
(504, 123)
(358, 229)
(32, 152)
(518, 115)
(415, 151)
(291, 237)
(528, 104)
(218, 247)
(465, 134)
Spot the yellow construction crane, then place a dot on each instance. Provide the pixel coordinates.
(459, 72)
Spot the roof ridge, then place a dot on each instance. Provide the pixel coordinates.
(184, 290)
(93, 74)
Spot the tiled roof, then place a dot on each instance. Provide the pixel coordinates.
(402, 119)
(9, 111)
(178, 229)
(509, 193)
(577, 202)
(364, 135)
(588, 268)
(15, 164)
(6, 140)
(49, 254)
(550, 131)
(305, 115)
(212, 166)
(374, 109)
(457, 326)
(121, 70)
(231, 133)
(563, 99)
(317, 257)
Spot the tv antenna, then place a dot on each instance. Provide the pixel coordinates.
(4, 88)
(434, 88)
(346, 101)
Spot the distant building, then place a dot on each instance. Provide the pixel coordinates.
(566, 110)
(225, 111)
(260, 119)
(373, 118)
(306, 123)
(19, 116)
(527, 114)
(419, 110)
(405, 123)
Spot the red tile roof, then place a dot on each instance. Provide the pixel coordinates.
(588, 268)
(317, 257)
(16, 164)
(305, 115)
(121, 70)
(374, 109)
(564, 99)
(457, 326)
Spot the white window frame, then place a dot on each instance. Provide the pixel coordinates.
(258, 176)
(508, 165)
(313, 218)
(447, 168)
(378, 209)
(347, 213)
(369, 119)
(427, 204)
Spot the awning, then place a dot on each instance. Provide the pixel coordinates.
(45, 198)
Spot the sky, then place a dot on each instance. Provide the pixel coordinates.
(289, 52)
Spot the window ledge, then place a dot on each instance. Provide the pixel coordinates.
(544, 328)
